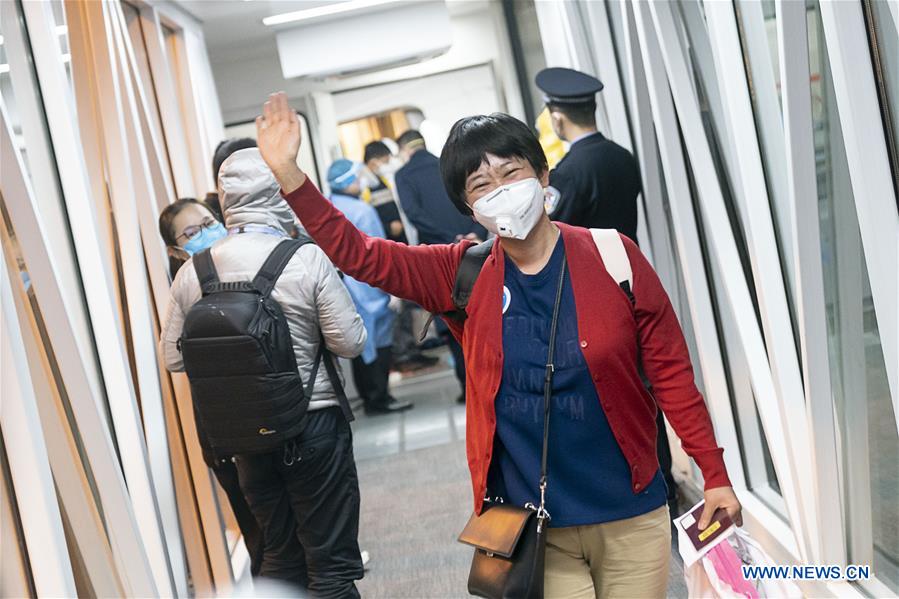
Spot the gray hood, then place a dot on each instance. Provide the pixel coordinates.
(250, 195)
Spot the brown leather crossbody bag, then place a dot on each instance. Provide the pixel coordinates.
(510, 541)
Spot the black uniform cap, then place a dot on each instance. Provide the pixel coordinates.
(567, 86)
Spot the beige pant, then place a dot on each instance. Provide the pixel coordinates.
(624, 559)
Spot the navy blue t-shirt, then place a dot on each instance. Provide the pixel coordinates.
(589, 480)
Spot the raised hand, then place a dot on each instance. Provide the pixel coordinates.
(278, 138)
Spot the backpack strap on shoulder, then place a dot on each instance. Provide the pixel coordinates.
(618, 265)
(342, 399)
(614, 256)
(274, 265)
(469, 268)
(206, 273)
(324, 355)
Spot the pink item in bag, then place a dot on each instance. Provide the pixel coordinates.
(728, 567)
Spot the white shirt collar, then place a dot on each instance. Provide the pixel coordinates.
(580, 137)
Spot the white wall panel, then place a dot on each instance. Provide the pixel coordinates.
(116, 172)
(28, 460)
(98, 447)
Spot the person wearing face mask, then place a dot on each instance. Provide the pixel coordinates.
(371, 369)
(375, 182)
(609, 532)
(187, 219)
(187, 226)
(378, 185)
(306, 509)
(597, 181)
(425, 202)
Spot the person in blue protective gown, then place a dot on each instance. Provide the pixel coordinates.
(371, 370)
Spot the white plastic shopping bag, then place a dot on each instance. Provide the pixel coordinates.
(714, 560)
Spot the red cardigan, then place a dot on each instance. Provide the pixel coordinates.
(608, 326)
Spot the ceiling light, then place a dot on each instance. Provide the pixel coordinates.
(1, 40)
(322, 11)
(4, 68)
(61, 30)
(66, 57)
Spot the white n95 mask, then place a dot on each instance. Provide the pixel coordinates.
(511, 210)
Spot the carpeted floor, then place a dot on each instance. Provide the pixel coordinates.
(413, 506)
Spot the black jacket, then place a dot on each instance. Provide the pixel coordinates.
(598, 182)
(427, 205)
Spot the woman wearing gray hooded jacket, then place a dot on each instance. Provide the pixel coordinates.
(320, 492)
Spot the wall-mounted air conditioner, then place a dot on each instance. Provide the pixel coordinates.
(395, 34)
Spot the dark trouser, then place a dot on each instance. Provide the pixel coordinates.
(226, 473)
(404, 344)
(309, 508)
(663, 450)
(455, 349)
(372, 380)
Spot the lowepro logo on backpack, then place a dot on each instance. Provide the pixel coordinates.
(247, 392)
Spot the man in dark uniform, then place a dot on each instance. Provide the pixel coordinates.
(595, 185)
(427, 206)
(597, 181)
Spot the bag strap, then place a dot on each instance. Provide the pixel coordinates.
(310, 386)
(542, 514)
(614, 256)
(618, 265)
(323, 355)
(337, 385)
(206, 273)
(469, 268)
(274, 265)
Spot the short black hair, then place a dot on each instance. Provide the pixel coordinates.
(227, 147)
(472, 138)
(376, 149)
(408, 137)
(582, 115)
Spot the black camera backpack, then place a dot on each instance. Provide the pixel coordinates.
(247, 392)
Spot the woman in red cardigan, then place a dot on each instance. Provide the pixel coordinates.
(609, 532)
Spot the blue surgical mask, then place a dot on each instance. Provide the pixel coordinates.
(205, 238)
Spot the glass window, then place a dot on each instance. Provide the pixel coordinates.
(757, 22)
(756, 456)
(705, 81)
(866, 424)
(884, 40)
(754, 451)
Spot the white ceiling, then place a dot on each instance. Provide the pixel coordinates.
(234, 29)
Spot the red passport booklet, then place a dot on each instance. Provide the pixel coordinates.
(701, 539)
